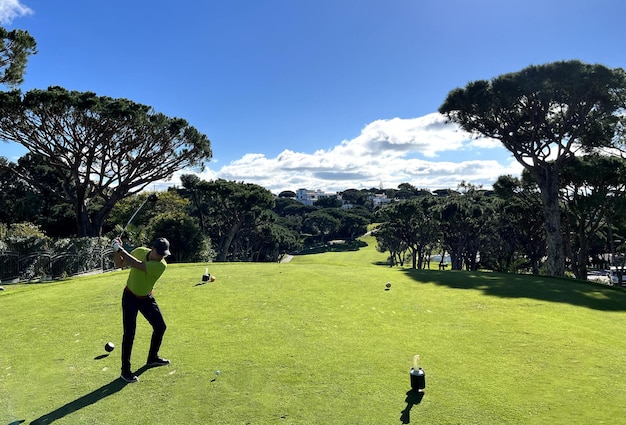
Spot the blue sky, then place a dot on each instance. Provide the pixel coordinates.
(317, 94)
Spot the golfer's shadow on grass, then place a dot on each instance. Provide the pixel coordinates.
(413, 397)
(86, 400)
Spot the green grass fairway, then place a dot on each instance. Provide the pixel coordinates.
(319, 341)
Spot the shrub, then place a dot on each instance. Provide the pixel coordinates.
(188, 243)
(26, 253)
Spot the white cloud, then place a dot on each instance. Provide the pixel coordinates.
(387, 152)
(11, 9)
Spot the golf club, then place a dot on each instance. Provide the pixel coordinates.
(152, 198)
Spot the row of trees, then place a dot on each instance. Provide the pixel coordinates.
(504, 230)
(545, 116)
(204, 220)
(565, 123)
(500, 229)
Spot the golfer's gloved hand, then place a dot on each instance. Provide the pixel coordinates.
(116, 244)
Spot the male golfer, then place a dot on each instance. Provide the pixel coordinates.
(147, 265)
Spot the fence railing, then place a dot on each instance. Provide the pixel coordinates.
(46, 265)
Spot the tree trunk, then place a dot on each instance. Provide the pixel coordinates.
(413, 258)
(83, 223)
(609, 236)
(456, 261)
(196, 202)
(549, 184)
(579, 265)
(226, 242)
(581, 269)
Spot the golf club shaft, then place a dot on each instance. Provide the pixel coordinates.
(133, 216)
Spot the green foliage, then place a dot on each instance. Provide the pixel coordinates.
(167, 217)
(126, 145)
(320, 224)
(24, 238)
(466, 224)
(137, 233)
(228, 212)
(270, 241)
(19, 202)
(520, 225)
(27, 254)
(293, 208)
(354, 196)
(187, 243)
(328, 202)
(521, 109)
(543, 115)
(409, 226)
(15, 48)
(591, 185)
(287, 194)
(74, 256)
(25, 230)
(470, 225)
(28, 201)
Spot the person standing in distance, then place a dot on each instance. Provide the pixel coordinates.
(146, 267)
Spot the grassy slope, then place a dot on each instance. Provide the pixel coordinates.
(319, 341)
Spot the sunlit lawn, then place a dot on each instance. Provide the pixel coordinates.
(319, 341)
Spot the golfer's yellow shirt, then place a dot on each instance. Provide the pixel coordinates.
(141, 283)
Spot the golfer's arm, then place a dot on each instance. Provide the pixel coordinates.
(129, 260)
(118, 261)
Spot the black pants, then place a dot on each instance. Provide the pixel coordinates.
(131, 305)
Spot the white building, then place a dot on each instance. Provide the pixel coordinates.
(379, 199)
(309, 197)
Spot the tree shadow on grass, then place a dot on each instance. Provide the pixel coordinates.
(545, 288)
(86, 400)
